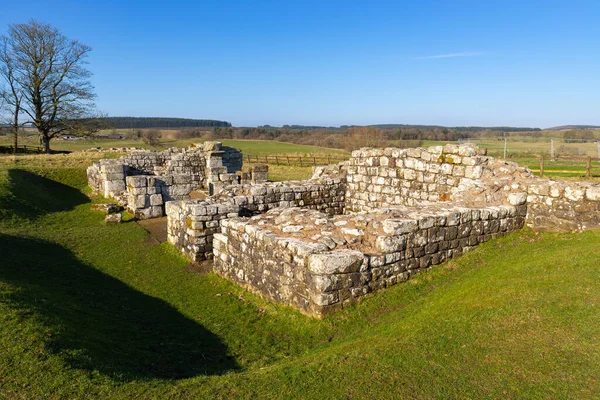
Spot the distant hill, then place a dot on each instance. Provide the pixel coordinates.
(567, 127)
(426, 127)
(459, 128)
(160, 122)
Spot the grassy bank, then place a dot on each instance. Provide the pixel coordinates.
(95, 310)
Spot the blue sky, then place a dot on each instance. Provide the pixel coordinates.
(518, 63)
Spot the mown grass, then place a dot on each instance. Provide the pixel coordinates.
(94, 310)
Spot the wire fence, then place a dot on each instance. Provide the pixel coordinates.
(551, 148)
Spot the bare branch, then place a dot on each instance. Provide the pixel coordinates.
(46, 74)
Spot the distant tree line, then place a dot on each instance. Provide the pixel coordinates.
(453, 128)
(354, 137)
(156, 122)
(348, 138)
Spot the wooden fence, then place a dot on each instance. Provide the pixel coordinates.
(20, 149)
(570, 167)
(298, 161)
(25, 149)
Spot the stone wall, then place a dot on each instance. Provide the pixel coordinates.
(318, 264)
(372, 222)
(143, 181)
(191, 223)
(380, 178)
(563, 206)
(107, 178)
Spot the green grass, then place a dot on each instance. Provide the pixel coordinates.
(251, 147)
(89, 310)
(525, 153)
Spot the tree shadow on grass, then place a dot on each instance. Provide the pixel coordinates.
(99, 323)
(29, 196)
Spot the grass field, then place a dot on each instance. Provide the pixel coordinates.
(89, 310)
(252, 147)
(526, 153)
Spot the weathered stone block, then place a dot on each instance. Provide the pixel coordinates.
(335, 262)
(113, 218)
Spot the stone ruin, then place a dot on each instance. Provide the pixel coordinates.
(384, 215)
(143, 181)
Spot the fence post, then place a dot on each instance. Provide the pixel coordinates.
(288, 160)
(277, 159)
(542, 166)
(314, 161)
(300, 161)
(588, 168)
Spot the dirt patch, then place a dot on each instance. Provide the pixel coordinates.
(201, 267)
(156, 227)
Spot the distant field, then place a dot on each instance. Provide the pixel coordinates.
(253, 147)
(525, 151)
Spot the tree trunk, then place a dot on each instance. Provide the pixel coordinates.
(46, 142)
(16, 137)
(16, 128)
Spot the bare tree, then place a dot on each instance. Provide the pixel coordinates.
(48, 72)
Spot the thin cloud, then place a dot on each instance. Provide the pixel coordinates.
(463, 54)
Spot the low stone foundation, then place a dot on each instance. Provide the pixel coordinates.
(563, 206)
(368, 223)
(143, 181)
(318, 264)
(192, 223)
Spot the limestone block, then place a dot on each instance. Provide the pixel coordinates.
(137, 181)
(182, 179)
(593, 193)
(542, 189)
(391, 244)
(516, 199)
(142, 190)
(473, 172)
(574, 193)
(156, 200)
(113, 218)
(555, 190)
(156, 211)
(410, 174)
(113, 187)
(468, 161)
(335, 262)
(399, 226)
(138, 201)
(466, 151)
(143, 213)
(324, 299)
(212, 146)
(112, 168)
(446, 169)
(450, 148)
(214, 161)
